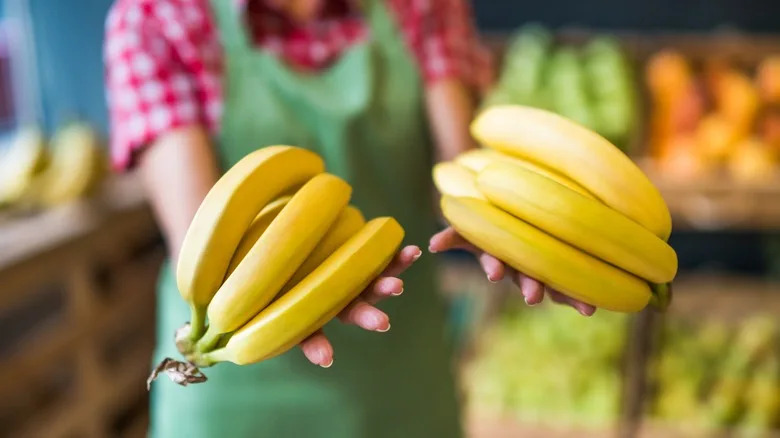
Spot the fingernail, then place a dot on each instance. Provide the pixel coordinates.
(431, 250)
(384, 330)
(319, 355)
(398, 293)
(327, 365)
(370, 320)
(491, 280)
(528, 302)
(418, 254)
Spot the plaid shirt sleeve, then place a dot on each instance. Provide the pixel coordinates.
(442, 36)
(162, 71)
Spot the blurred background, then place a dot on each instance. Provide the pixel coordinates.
(691, 90)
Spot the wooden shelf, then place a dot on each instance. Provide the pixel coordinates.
(24, 235)
(506, 427)
(81, 360)
(657, 430)
(723, 297)
(718, 202)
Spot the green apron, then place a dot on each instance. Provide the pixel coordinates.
(365, 116)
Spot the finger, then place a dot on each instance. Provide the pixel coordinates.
(365, 316)
(382, 288)
(318, 349)
(532, 289)
(448, 239)
(584, 308)
(493, 267)
(557, 296)
(404, 259)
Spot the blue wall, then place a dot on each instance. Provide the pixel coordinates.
(69, 40)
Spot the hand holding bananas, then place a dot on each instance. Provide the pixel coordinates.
(562, 205)
(532, 290)
(273, 253)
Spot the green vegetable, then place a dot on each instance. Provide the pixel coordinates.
(524, 63)
(566, 87)
(550, 365)
(612, 87)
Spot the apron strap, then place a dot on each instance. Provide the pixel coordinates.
(377, 19)
(230, 22)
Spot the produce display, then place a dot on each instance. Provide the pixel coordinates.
(273, 253)
(593, 85)
(549, 365)
(711, 376)
(33, 175)
(562, 204)
(715, 118)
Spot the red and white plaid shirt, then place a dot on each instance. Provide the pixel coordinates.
(164, 60)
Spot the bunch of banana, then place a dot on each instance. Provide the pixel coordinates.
(24, 157)
(77, 165)
(562, 204)
(272, 254)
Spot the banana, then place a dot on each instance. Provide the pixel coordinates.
(256, 229)
(455, 180)
(545, 258)
(478, 159)
(25, 156)
(227, 211)
(276, 255)
(584, 223)
(349, 222)
(314, 301)
(77, 162)
(582, 155)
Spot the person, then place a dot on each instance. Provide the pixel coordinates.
(380, 89)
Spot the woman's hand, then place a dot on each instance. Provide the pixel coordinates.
(362, 311)
(533, 291)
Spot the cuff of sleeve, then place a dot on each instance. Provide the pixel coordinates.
(475, 70)
(129, 143)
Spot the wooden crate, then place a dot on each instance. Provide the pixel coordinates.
(660, 430)
(721, 297)
(700, 297)
(716, 202)
(78, 300)
(487, 426)
(463, 276)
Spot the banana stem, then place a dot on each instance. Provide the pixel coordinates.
(661, 296)
(197, 322)
(223, 340)
(208, 341)
(212, 357)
